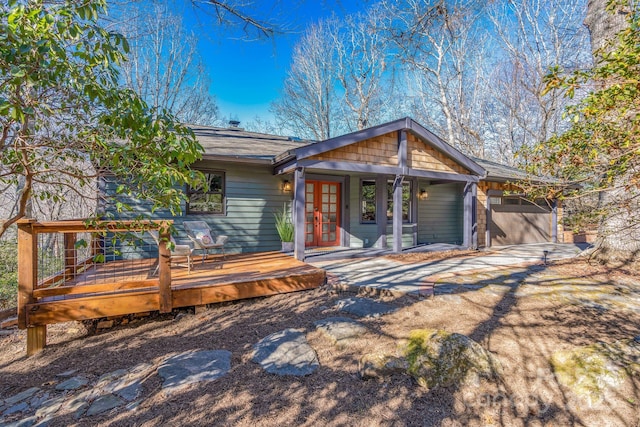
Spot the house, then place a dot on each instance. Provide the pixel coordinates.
(394, 186)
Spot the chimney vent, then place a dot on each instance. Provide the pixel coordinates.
(234, 123)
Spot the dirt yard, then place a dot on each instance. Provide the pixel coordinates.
(522, 316)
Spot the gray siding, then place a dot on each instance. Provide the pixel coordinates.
(440, 216)
(252, 195)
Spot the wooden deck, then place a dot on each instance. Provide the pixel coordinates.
(127, 287)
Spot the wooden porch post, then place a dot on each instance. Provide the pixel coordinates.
(470, 231)
(381, 211)
(397, 214)
(27, 279)
(474, 215)
(397, 191)
(299, 213)
(164, 275)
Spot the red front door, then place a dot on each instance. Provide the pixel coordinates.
(322, 224)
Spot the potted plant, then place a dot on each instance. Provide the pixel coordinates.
(285, 229)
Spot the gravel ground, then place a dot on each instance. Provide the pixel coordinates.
(522, 316)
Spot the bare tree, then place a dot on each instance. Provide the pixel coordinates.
(532, 36)
(307, 103)
(364, 69)
(164, 66)
(442, 45)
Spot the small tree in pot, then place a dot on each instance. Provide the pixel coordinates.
(285, 229)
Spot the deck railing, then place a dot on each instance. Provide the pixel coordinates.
(61, 258)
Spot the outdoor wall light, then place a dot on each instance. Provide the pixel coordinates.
(286, 185)
(423, 195)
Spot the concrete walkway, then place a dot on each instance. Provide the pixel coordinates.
(380, 273)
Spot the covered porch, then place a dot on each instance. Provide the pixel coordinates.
(371, 189)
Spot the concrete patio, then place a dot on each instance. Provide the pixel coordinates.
(369, 269)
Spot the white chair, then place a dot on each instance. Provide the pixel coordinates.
(178, 251)
(200, 234)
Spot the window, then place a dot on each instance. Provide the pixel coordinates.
(406, 201)
(495, 200)
(368, 201)
(210, 201)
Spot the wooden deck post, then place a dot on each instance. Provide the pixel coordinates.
(70, 255)
(36, 339)
(27, 268)
(164, 261)
(27, 279)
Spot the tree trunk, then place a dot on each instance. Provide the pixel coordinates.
(619, 230)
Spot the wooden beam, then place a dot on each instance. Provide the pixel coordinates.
(79, 226)
(94, 307)
(254, 288)
(164, 274)
(95, 289)
(349, 167)
(299, 213)
(27, 268)
(443, 176)
(36, 339)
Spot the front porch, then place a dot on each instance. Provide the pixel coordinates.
(375, 188)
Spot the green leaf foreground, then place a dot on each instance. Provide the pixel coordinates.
(65, 119)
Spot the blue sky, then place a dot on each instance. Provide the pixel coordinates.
(246, 76)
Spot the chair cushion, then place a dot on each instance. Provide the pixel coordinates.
(203, 236)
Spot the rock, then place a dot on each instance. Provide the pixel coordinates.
(364, 307)
(50, 407)
(590, 372)
(24, 422)
(380, 366)
(194, 366)
(20, 407)
(103, 404)
(286, 353)
(438, 358)
(340, 329)
(38, 400)
(124, 383)
(21, 396)
(72, 383)
(68, 373)
(105, 324)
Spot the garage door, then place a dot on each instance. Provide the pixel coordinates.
(515, 220)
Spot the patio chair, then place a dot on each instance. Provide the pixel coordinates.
(200, 234)
(178, 251)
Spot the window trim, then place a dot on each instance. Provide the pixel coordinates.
(361, 200)
(189, 192)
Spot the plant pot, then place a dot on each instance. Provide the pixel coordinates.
(287, 246)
